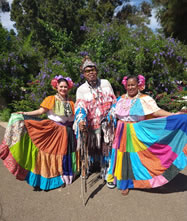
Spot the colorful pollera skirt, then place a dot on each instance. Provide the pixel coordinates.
(39, 151)
(149, 153)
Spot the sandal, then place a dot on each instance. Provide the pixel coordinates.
(125, 192)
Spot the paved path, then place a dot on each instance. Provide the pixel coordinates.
(3, 124)
(18, 201)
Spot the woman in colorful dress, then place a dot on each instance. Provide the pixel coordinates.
(146, 153)
(43, 152)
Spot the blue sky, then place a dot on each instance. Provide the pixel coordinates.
(5, 19)
(8, 24)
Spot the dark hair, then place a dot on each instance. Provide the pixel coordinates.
(133, 77)
(63, 80)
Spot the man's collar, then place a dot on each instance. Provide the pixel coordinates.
(97, 84)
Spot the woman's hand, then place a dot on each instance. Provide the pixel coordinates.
(39, 111)
(19, 112)
(179, 112)
(163, 113)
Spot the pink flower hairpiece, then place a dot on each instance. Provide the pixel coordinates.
(54, 81)
(141, 82)
(124, 81)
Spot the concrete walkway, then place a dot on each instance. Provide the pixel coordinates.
(18, 201)
(3, 124)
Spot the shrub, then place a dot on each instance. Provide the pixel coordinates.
(5, 114)
(39, 86)
(17, 65)
(172, 102)
(117, 51)
(121, 51)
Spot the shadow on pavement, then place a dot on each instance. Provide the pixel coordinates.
(178, 184)
(95, 192)
(91, 183)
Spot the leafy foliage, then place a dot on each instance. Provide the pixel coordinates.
(39, 86)
(63, 16)
(5, 114)
(121, 51)
(17, 63)
(172, 16)
(4, 5)
(130, 14)
(172, 102)
(117, 49)
(4, 39)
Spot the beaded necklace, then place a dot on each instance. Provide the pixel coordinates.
(133, 101)
(61, 98)
(67, 107)
(95, 90)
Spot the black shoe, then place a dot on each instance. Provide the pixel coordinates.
(63, 185)
(37, 188)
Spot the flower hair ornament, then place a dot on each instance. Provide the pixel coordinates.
(54, 81)
(141, 82)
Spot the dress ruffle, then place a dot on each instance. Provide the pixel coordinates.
(136, 109)
(34, 150)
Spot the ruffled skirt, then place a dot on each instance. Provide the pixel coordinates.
(39, 151)
(149, 153)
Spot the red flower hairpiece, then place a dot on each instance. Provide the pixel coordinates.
(54, 81)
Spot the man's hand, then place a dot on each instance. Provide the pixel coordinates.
(82, 126)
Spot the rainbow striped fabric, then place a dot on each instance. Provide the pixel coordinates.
(149, 153)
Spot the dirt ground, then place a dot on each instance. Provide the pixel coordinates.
(18, 201)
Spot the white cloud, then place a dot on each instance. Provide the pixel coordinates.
(154, 24)
(5, 21)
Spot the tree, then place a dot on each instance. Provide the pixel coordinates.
(18, 62)
(61, 15)
(134, 15)
(4, 39)
(146, 8)
(101, 10)
(172, 15)
(4, 5)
